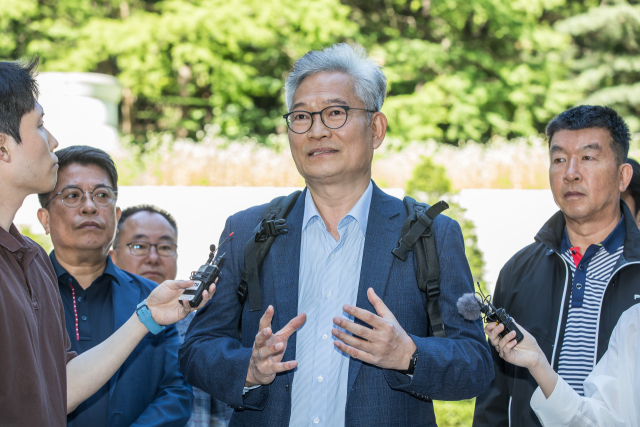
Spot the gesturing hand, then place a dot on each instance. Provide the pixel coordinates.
(387, 345)
(268, 350)
(525, 353)
(164, 305)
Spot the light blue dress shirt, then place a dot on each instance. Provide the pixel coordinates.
(329, 279)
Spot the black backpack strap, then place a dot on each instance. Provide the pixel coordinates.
(272, 223)
(417, 233)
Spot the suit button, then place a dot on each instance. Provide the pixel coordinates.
(19, 255)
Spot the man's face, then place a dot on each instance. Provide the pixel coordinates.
(87, 227)
(147, 227)
(34, 166)
(334, 155)
(585, 180)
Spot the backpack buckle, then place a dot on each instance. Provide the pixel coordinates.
(270, 228)
(433, 290)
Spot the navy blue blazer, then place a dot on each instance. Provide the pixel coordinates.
(215, 358)
(148, 389)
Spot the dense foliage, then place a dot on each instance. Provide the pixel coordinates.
(457, 69)
(429, 184)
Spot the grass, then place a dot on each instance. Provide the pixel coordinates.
(454, 414)
(521, 163)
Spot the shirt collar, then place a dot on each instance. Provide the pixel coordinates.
(360, 211)
(12, 240)
(614, 240)
(110, 268)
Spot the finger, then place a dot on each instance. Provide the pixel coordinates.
(489, 327)
(353, 352)
(283, 366)
(177, 285)
(378, 304)
(270, 350)
(366, 316)
(293, 325)
(354, 328)
(267, 317)
(352, 341)
(206, 296)
(494, 337)
(507, 339)
(262, 336)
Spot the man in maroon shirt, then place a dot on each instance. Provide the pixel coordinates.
(40, 380)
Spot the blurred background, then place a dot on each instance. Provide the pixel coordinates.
(187, 97)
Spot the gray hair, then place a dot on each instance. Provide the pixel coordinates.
(370, 84)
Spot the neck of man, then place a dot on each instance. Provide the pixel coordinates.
(335, 200)
(85, 266)
(10, 201)
(591, 231)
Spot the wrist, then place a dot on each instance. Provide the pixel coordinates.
(144, 315)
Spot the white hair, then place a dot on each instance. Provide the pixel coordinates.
(370, 84)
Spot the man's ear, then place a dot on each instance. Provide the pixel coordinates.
(4, 147)
(43, 217)
(626, 172)
(112, 254)
(379, 128)
(118, 215)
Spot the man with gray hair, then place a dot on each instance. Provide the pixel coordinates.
(336, 332)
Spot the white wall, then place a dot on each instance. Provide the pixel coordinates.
(506, 220)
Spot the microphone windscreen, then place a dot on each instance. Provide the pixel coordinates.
(468, 306)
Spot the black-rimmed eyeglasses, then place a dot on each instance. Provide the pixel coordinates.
(73, 197)
(141, 248)
(333, 117)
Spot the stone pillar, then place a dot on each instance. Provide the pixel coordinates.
(81, 108)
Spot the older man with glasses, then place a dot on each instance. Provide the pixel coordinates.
(98, 297)
(146, 245)
(340, 334)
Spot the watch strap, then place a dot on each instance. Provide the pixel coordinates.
(412, 364)
(144, 314)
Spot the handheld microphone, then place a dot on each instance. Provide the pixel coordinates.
(204, 277)
(471, 306)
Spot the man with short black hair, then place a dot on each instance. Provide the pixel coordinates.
(81, 216)
(42, 380)
(569, 288)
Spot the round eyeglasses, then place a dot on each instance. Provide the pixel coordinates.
(143, 248)
(73, 197)
(333, 117)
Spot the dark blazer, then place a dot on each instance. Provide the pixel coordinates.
(216, 359)
(534, 287)
(148, 389)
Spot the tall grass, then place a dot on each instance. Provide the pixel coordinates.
(520, 163)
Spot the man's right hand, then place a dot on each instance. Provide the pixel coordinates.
(269, 348)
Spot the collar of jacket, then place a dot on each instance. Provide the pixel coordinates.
(550, 234)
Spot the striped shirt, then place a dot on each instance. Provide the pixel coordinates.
(590, 275)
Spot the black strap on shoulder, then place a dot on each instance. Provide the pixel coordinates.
(272, 223)
(417, 233)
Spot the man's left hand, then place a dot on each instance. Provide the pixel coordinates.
(387, 345)
(164, 305)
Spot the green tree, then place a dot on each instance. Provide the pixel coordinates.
(607, 56)
(429, 183)
(183, 63)
(469, 70)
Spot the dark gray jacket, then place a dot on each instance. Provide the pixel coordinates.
(534, 287)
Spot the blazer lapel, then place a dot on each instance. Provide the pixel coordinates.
(383, 230)
(285, 271)
(125, 297)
